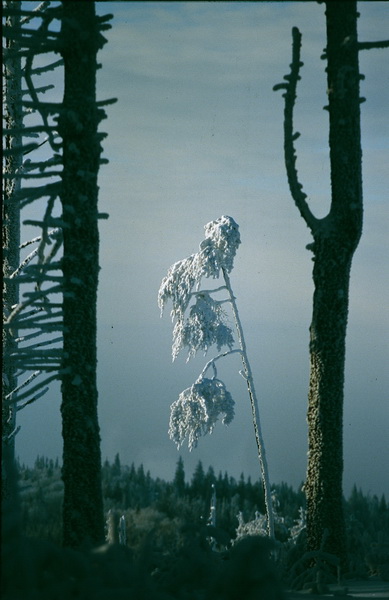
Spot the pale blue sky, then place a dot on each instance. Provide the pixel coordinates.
(197, 133)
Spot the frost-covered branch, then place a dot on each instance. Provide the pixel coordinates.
(211, 363)
(54, 233)
(206, 325)
(197, 410)
(22, 385)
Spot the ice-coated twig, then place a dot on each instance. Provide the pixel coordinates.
(211, 363)
(36, 12)
(22, 385)
(35, 388)
(219, 289)
(32, 297)
(53, 234)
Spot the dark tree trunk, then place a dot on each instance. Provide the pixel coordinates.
(11, 219)
(13, 112)
(335, 242)
(83, 521)
(336, 238)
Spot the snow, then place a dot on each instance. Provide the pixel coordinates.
(197, 410)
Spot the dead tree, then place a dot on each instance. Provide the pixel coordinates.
(50, 308)
(335, 239)
(81, 38)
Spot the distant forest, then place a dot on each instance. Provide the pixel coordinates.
(169, 511)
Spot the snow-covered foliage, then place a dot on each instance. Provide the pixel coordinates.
(198, 407)
(255, 527)
(197, 410)
(217, 251)
(206, 323)
(221, 242)
(177, 286)
(299, 526)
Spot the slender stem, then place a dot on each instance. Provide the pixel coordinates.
(199, 292)
(254, 409)
(211, 362)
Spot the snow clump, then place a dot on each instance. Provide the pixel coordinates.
(197, 410)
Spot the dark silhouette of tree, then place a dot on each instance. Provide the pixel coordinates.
(198, 481)
(79, 119)
(28, 316)
(179, 478)
(116, 467)
(335, 239)
(11, 216)
(60, 295)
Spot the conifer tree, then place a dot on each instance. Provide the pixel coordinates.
(179, 478)
(198, 479)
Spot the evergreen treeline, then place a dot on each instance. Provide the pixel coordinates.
(167, 512)
(132, 489)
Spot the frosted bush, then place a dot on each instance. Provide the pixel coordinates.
(299, 526)
(258, 526)
(197, 410)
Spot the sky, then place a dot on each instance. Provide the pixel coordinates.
(197, 133)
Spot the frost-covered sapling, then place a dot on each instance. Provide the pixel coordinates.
(200, 322)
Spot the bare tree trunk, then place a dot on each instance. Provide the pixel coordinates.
(11, 258)
(11, 215)
(333, 251)
(83, 521)
(323, 486)
(336, 238)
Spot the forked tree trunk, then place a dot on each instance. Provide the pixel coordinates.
(336, 238)
(83, 521)
(334, 244)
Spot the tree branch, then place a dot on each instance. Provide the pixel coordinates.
(290, 136)
(370, 45)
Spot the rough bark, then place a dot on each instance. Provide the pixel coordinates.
(11, 216)
(13, 112)
(335, 242)
(83, 521)
(336, 237)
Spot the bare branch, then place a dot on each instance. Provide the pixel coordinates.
(370, 45)
(36, 12)
(36, 388)
(290, 136)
